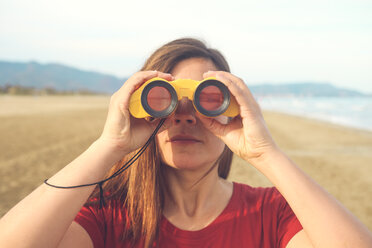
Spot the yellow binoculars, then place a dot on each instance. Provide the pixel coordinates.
(159, 98)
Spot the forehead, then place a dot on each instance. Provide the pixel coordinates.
(193, 68)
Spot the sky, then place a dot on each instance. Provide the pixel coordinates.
(264, 41)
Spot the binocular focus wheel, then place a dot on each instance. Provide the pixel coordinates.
(172, 98)
(221, 107)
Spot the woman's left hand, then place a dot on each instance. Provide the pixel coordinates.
(247, 134)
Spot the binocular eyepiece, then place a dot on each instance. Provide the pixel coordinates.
(159, 98)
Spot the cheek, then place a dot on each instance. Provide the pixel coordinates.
(160, 139)
(216, 145)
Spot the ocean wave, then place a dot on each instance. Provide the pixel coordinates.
(347, 111)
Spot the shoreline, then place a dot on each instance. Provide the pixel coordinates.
(320, 120)
(354, 112)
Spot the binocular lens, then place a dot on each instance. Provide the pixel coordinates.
(211, 98)
(159, 98)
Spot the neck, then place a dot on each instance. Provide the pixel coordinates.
(195, 198)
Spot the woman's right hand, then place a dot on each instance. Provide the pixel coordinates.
(122, 131)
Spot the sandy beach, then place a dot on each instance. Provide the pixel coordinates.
(39, 135)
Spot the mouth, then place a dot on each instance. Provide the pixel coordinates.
(184, 139)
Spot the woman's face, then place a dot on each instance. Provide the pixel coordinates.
(186, 143)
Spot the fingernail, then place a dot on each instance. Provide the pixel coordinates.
(170, 75)
(220, 75)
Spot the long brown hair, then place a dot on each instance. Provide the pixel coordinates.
(141, 188)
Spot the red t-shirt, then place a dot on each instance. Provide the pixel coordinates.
(254, 217)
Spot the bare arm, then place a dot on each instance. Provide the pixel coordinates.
(325, 221)
(45, 217)
(42, 218)
(76, 237)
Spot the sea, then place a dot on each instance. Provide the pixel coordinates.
(353, 112)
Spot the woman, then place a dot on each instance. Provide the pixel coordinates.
(176, 194)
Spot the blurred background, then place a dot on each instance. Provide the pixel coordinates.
(308, 63)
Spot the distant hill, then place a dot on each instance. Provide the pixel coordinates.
(57, 77)
(303, 89)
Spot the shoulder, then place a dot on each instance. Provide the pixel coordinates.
(268, 208)
(264, 200)
(103, 223)
(262, 194)
(111, 210)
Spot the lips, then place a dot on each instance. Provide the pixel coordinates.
(183, 138)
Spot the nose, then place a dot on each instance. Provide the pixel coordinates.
(185, 113)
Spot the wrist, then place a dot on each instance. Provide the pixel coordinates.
(277, 167)
(110, 150)
(268, 159)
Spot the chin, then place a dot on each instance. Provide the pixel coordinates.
(188, 163)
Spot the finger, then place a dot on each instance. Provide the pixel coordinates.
(166, 76)
(137, 79)
(134, 82)
(213, 125)
(235, 84)
(238, 89)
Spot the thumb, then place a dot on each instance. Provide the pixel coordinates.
(213, 125)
